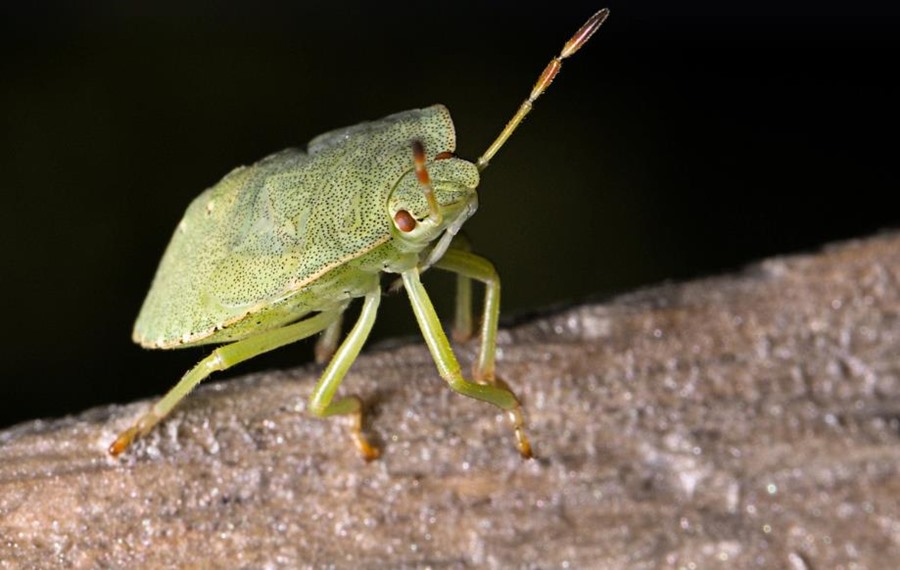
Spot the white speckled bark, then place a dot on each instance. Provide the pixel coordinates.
(743, 421)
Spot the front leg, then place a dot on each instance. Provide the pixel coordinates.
(448, 366)
(467, 266)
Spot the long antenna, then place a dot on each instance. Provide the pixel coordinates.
(580, 38)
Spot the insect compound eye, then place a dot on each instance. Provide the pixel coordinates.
(404, 221)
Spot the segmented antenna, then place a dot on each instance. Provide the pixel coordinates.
(546, 78)
(434, 211)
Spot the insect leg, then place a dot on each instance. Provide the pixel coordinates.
(469, 266)
(320, 403)
(448, 366)
(328, 342)
(462, 318)
(220, 359)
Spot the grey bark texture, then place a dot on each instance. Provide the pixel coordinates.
(749, 420)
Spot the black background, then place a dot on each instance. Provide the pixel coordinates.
(684, 140)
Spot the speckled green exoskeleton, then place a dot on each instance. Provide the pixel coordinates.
(276, 251)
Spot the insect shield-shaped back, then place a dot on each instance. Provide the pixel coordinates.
(274, 252)
(453, 182)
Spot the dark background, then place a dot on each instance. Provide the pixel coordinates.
(685, 140)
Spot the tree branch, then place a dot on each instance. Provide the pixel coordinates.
(746, 420)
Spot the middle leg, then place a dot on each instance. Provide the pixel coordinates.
(320, 402)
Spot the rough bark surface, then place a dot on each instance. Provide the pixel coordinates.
(743, 421)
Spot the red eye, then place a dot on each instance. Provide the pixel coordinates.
(404, 221)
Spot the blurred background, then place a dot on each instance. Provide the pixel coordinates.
(684, 141)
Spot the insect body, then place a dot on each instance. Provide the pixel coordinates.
(276, 251)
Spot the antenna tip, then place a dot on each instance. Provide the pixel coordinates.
(584, 33)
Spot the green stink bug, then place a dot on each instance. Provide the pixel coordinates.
(276, 251)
